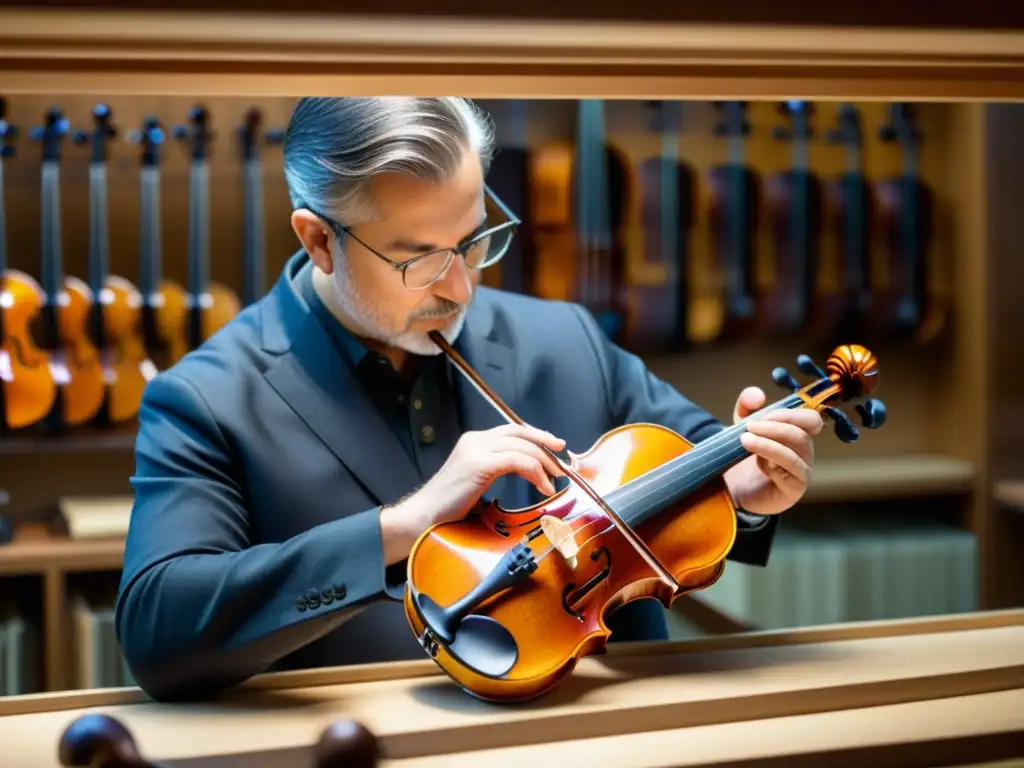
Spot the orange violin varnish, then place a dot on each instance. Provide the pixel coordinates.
(29, 390)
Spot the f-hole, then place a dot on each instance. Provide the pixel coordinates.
(572, 594)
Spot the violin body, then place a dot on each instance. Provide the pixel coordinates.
(551, 173)
(793, 201)
(224, 305)
(905, 214)
(507, 601)
(76, 359)
(560, 615)
(850, 210)
(734, 204)
(30, 392)
(166, 324)
(122, 321)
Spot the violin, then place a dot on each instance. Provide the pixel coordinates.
(582, 195)
(793, 200)
(905, 309)
(165, 303)
(64, 318)
(27, 390)
(250, 138)
(506, 601)
(734, 208)
(660, 312)
(211, 305)
(846, 305)
(115, 323)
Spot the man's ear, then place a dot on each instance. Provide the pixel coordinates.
(315, 237)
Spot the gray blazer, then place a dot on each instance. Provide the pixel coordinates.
(261, 465)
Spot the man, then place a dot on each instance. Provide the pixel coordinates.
(286, 467)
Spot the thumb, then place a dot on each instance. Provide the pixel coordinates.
(750, 400)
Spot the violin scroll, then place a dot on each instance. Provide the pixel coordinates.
(851, 372)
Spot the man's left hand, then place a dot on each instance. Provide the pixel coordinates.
(776, 476)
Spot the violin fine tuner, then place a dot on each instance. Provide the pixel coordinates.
(507, 601)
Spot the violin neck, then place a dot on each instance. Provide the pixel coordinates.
(99, 239)
(53, 261)
(672, 482)
(150, 247)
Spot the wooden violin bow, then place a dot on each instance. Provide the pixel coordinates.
(562, 457)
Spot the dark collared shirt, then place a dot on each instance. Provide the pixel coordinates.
(422, 412)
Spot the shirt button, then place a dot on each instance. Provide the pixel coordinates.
(417, 404)
(427, 434)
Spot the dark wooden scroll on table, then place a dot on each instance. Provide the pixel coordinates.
(793, 200)
(102, 741)
(659, 285)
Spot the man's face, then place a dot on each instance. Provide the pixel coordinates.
(411, 217)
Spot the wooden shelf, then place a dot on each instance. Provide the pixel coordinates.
(889, 477)
(1010, 493)
(36, 551)
(85, 441)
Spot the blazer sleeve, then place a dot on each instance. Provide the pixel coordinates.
(635, 394)
(199, 608)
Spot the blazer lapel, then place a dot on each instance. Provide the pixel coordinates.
(323, 390)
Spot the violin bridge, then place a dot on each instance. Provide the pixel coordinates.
(562, 538)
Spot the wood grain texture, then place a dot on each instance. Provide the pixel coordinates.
(223, 53)
(638, 688)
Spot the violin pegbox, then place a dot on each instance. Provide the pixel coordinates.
(851, 372)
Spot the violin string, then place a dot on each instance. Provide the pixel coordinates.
(710, 451)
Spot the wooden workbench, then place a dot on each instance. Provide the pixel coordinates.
(938, 691)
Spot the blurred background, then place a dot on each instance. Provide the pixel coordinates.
(727, 237)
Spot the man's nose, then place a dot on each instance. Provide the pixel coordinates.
(457, 283)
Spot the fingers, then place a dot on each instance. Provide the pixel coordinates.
(532, 434)
(750, 400)
(527, 467)
(551, 466)
(788, 435)
(808, 420)
(777, 453)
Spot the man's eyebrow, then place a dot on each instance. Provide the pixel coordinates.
(412, 246)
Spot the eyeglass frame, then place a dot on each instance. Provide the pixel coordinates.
(512, 224)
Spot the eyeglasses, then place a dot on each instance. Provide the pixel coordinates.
(482, 250)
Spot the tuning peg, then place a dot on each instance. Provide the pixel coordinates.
(785, 379)
(275, 136)
(872, 413)
(808, 367)
(845, 430)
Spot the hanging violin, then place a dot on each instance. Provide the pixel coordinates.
(646, 514)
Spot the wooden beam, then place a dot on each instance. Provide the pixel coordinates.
(190, 53)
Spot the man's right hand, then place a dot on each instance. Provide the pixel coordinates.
(478, 459)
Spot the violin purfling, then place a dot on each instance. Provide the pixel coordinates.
(507, 601)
